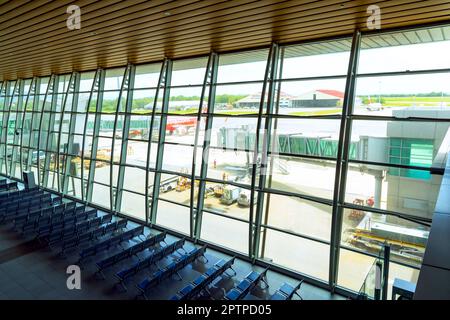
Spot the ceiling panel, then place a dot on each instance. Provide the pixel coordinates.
(34, 38)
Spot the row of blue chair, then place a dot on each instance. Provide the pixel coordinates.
(287, 291)
(202, 282)
(10, 197)
(75, 241)
(21, 219)
(246, 285)
(96, 248)
(129, 252)
(35, 206)
(14, 202)
(45, 225)
(173, 268)
(63, 226)
(26, 203)
(84, 233)
(9, 186)
(156, 256)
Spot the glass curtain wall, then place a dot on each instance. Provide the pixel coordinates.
(309, 156)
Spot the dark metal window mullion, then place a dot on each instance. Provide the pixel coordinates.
(123, 86)
(95, 85)
(161, 81)
(273, 60)
(5, 87)
(6, 126)
(161, 138)
(38, 160)
(31, 92)
(96, 130)
(34, 110)
(50, 129)
(17, 125)
(72, 124)
(206, 82)
(206, 145)
(341, 163)
(251, 226)
(125, 133)
(70, 86)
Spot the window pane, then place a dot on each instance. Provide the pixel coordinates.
(298, 216)
(369, 231)
(304, 176)
(246, 66)
(404, 51)
(147, 75)
(317, 59)
(310, 137)
(238, 99)
(305, 256)
(217, 229)
(133, 205)
(424, 96)
(134, 179)
(412, 192)
(228, 200)
(311, 98)
(353, 269)
(188, 71)
(100, 195)
(173, 216)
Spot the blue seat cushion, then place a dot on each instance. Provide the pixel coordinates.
(143, 284)
(244, 285)
(210, 271)
(233, 294)
(278, 296)
(287, 289)
(253, 276)
(199, 280)
(187, 289)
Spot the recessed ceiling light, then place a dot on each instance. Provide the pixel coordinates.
(93, 33)
(167, 13)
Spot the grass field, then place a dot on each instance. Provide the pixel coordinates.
(414, 101)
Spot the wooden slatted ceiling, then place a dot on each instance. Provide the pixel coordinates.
(34, 39)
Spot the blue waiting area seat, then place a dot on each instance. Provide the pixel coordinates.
(202, 282)
(10, 197)
(5, 194)
(7, 186)
(157, 255)
(105, 244)
(93, 250)
(129, 252)
(173, 268)
(287, 291)
(246, 285)
(50, 233)
(8, 212)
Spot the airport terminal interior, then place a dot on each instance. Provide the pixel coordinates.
(225, 150)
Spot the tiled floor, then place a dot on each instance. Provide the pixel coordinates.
(30, 271)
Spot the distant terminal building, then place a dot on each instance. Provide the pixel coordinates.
(253, 101)
(320, 98)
